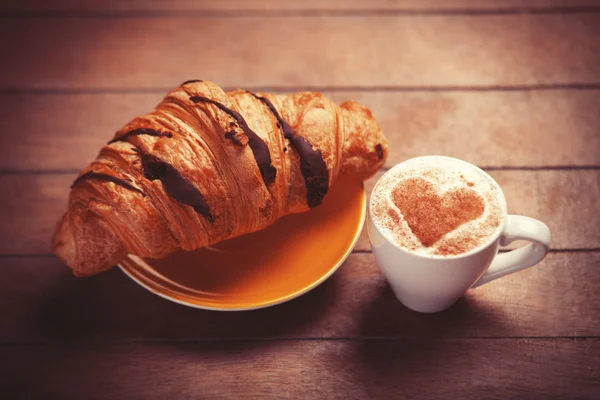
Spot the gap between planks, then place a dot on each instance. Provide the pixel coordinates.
(241, 13)
(359, 251)
(141, 342)
(336, 89)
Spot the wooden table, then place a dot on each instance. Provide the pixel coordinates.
(512, 86)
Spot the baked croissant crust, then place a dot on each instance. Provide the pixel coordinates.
(206, 166)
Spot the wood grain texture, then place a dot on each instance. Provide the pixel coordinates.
(288, 5)
(495, 128)
(565, 200)
(490, 369)
(74, 71)
(42, 303)
(523, 49)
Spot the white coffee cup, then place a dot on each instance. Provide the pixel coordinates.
(429, 283)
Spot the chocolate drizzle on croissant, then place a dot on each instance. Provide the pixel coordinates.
(105, 178)
(312, 165)
(191, 81)
(141, 131)
(175, 184)
(379, 151)
(257, 145)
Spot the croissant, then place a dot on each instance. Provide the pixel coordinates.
(206, 166)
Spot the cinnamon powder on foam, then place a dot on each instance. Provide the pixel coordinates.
(426, 219)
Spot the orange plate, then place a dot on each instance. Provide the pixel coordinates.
(264, 268)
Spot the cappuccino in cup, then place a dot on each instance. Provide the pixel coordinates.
(437, 206)
(435, 226)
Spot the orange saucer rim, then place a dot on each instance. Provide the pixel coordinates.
(273, 302)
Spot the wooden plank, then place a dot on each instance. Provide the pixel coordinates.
(566, 200)
(288, 5)
(464, 369)
(30, 211)
(522, 49)
(43, 302)
(492, 128)
(523, 128)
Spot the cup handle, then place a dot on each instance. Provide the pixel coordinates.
(518, 227)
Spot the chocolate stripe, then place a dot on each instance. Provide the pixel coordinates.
(313, 167)
(259, 148)
(105, 178)
(379, 151)
(191, 81)
(175, 184)
(141, 131)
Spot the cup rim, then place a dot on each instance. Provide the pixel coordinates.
(472, 252)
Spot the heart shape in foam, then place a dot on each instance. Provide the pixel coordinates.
(431, 215)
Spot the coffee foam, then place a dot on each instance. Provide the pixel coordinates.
(467, 190)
